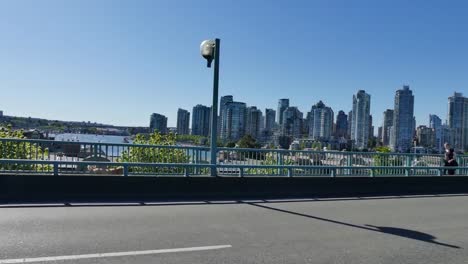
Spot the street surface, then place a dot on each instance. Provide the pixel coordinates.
(427, 229)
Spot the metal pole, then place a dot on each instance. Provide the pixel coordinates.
(214, 110)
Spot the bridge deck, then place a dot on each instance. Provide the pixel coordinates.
(430, 229)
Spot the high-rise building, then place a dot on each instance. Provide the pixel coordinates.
(360, 121)
(371, 127)
(447, 134)
(183, 121)
(436, 124)
(233, 120)
(386, 126)
(321, 121)
(306, 123)
(222, 102)
(201, 120)
(350, 121)
(222, 106)
(270, 116)
(158, 123)
(262, 121)
(341, 128)
(282, 105)
(379, 134)
(403, 120)
(291, 125)
(253, 122)
(458, 120)
(425, 137)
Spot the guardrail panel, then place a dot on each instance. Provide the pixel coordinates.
(79, 158)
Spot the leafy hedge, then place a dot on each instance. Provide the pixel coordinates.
(20, 150)
(141, 154)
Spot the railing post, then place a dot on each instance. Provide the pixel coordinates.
(372, 172)
(459, 164)
(197, 161)
(125, 170)
(241, 172)
(290, 172)
(349, 163)
(407, 165)
(333, 172)
(56, 169)
(186, 172)
(280, 163)
(213, 161)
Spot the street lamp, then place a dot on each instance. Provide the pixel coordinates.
(209, 49)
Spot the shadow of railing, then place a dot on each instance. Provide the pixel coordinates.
(406, 233)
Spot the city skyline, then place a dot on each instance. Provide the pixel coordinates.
(173, 124)
(121, 54)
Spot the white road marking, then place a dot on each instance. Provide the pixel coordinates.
(112, 254)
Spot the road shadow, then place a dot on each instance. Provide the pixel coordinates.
(406, 233)
(416, 235)
(152, 202)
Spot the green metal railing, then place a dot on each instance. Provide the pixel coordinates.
(23, 156)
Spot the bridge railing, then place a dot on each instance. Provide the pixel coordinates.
(27, 156)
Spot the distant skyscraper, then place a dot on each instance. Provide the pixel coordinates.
(379, 134)
(321, 121)
(222, 106)
(403, 120)
(447, 134)
(201, 120)
(425, 137)
(350, 121)
(371, 127)
(360, 120)
(436, 124)
(292, 122)
(158, 123)
(282, 105)
(233, 120)
(458, 120)
(386, 126)
(222, 102)
(341, 129)
(270, 116)
(253, 122)
(183, 121)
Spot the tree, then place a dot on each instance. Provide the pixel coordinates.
(317, 145)
(302, 145)
(230, 144)
(248, 141)
(383, 159)
(271, 158)
(20, 150)
(193, 139)
(153, 154)
(383, 149)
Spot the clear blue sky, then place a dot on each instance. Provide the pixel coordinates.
(119, 61)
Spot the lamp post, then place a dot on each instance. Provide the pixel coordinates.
(210, 51)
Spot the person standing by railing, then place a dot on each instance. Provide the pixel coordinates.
(449, 159)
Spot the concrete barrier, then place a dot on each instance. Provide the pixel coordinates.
(104, 188)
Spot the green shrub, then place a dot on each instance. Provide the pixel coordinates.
(20, 150)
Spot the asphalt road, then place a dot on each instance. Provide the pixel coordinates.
(398, 230)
